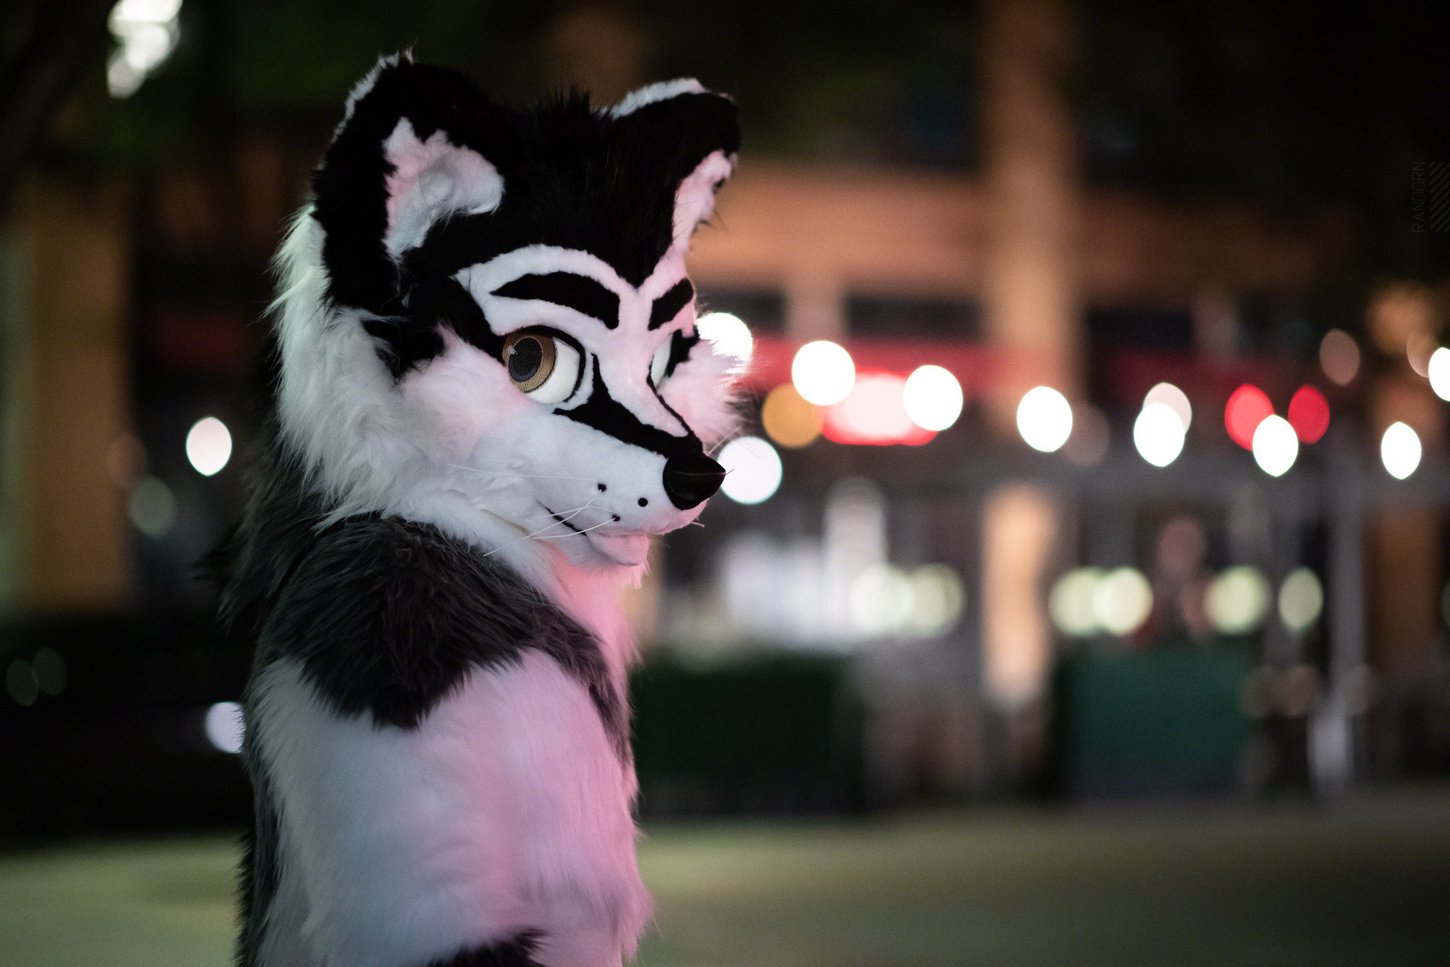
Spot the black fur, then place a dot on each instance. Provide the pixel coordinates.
(431, 609)
(574, 177)
(667, 306)
(567, 289)
(607, 415)
(680, 347)
(518, 952)
(349, 188)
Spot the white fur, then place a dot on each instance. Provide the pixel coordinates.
(405, 846)
(652, 93)
(431, 180)
(361, 88)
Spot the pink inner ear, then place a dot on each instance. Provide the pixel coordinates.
(695, 198)
(429, 179)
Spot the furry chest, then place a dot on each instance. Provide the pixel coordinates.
(506, 809)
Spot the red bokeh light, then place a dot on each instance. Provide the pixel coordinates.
(874, 414)
(1309, 414)
(1247, 407)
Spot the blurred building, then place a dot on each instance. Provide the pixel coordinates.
(1266, 603)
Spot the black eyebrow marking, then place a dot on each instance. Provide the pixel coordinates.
(578, 292)
(605, 414)
(668, 306)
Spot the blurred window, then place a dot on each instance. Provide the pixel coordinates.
(912, 317)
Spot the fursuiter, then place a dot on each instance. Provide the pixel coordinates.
(490, 394)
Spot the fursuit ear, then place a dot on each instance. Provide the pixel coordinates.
(417, 144)
(694, 135)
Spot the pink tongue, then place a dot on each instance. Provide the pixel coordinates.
(627, 549)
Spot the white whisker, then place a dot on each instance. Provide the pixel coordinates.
(550, 526)
(576, 531)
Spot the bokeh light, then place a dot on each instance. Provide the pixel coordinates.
(939, 597)
(1175, 399)
(788, 418)
(223, 726)
(881, 600)
(1339, 357)
(752, 470)
(1309, 414)
(1276, 446)
(874, 413)
(1238, 600)
(151, 506)
(208, 446)
(1301, 600)
(1122, 600)
(728, 334)
(1439, 371)
(823, 372)
(933, 398)
(1400, 450)
(1247, 407)
(1070, 604)
(1158, 433)
(21, 683)
(1419, 348)
(1044, 418)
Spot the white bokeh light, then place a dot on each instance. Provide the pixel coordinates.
(1173, 398)
(1044, 418)
(752, 470)
(1400, 450)
(1276, 446)
(1122, 599)
(1070, 604)
(146, 32)
(823, 372)
(208, 446)
(1301, 600)
(1237, 600)
(933, 398)
(1158, 433)
(727, 333)
(223, 726)
(1439, 372)
(938, 600)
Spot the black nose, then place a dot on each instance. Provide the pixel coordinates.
(691, 478)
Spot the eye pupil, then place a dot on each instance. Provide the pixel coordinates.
(525, 357)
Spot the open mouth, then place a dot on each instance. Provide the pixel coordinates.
(629, 548)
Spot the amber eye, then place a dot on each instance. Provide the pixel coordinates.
(542, 365)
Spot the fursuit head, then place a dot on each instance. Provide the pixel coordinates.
(491, 394)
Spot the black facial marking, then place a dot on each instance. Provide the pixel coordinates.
(605, 414)
(583, 179)
(667, 306)
(578, 292)
(563, 520)
(575, 178)
(680, 347)
(412, 338)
